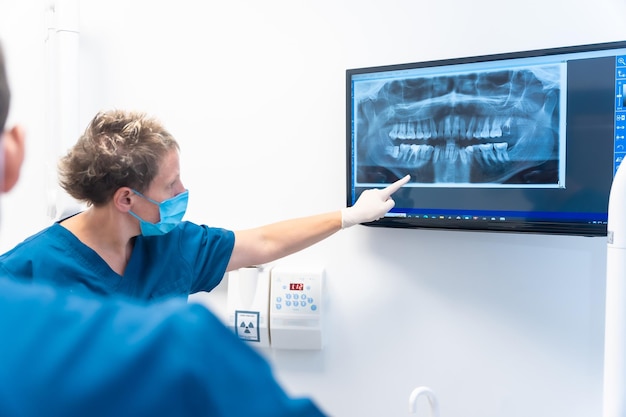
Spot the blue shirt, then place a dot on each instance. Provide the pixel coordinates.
(75, 356)
(188, 259)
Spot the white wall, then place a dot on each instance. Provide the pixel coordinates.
(497, 324)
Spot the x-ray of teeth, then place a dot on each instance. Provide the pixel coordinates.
(481, 128)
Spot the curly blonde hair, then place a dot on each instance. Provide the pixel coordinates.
(118, 149)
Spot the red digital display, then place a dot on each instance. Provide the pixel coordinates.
(296, 286)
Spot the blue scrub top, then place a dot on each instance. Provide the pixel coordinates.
(188, 259)
(76, 356)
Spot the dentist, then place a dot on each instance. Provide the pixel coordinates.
(131, 239)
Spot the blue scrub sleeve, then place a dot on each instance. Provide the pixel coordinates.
(77, 356)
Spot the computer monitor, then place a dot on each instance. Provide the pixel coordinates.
(523, 142)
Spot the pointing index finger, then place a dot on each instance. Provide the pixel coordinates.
(390, 189)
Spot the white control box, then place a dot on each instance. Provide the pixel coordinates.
(296, 307)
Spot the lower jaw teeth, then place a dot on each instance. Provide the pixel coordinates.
(489, 152)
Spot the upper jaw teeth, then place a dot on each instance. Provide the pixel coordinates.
(452, 127)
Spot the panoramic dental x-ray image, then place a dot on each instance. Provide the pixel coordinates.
(475, 128)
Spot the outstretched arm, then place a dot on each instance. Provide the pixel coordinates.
(270, 242)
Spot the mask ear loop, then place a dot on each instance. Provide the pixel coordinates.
(145, 198)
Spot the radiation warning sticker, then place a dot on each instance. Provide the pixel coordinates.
(247, 325)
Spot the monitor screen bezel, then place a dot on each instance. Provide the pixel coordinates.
(526, 225)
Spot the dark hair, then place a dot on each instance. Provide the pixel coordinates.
(5, 94)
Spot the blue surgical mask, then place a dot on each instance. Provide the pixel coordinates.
(171, 212)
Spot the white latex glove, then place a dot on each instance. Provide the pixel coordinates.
(371, 205)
